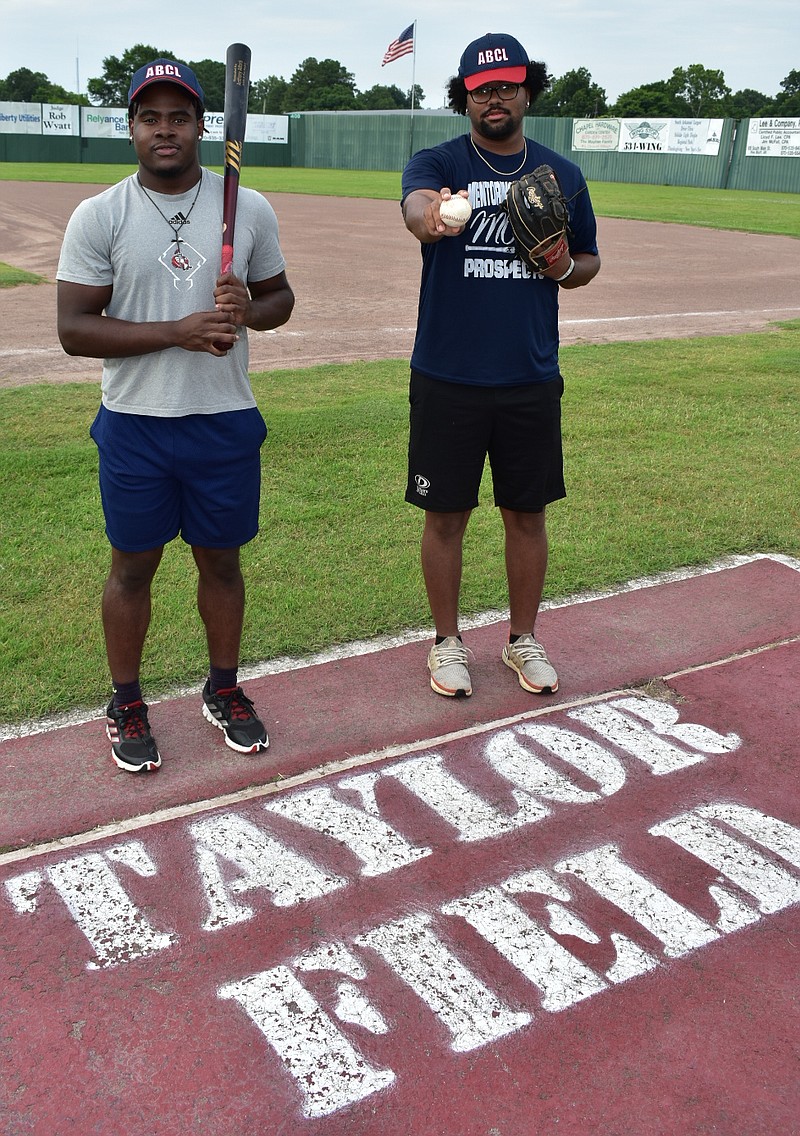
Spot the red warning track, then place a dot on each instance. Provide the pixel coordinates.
(498, 915)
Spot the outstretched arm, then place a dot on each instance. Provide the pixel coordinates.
(421, 214)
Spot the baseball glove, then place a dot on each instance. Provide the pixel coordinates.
(539, 218)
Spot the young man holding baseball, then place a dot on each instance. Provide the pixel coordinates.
(485, 377)
(178, 432)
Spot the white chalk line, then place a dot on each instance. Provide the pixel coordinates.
(360, 647)
(21, 352)
(677, 315)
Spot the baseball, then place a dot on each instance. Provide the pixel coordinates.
(455, 212)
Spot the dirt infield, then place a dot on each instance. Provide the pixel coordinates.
(355, 271)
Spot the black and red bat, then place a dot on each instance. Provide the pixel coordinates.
(237, 89)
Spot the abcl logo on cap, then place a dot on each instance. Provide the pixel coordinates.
(493, 55)
(163, 69)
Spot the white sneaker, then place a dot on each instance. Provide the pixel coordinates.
(528, 659)
(447, 663)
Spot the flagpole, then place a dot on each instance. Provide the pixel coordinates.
(413, 92)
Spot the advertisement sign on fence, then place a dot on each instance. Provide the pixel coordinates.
(61, 118)
(267, 128)
(595, 134)
(104, 122)
(773, 138)
(112, 122)
(20, 118)
(260, 127)
(648, 136)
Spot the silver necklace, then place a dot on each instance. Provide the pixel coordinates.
(175, 228)
(502, 173)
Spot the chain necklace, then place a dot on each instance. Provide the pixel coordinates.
(175, 228)
(502, 173)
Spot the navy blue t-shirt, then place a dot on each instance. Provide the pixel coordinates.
(500, 326)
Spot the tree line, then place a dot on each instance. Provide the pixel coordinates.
(690, 92)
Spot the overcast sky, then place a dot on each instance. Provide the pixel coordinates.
(623, 43)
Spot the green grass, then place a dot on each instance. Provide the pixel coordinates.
(71, 173)
(677, 453)
(749, 210)
(380, 184)
(10, 277)
(752, 211)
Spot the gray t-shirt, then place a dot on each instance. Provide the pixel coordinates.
(118, 238)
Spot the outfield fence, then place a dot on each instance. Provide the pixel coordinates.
(755, 154)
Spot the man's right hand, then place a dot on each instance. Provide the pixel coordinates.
(85, 330)
(206, 331)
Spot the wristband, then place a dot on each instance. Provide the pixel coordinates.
(570, 270)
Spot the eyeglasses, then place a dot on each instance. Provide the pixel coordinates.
(504, 91)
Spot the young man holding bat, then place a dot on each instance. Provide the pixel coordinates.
(485, 377)
(178, 432)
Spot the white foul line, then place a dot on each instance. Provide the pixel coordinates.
(383, 643)
(677, 315)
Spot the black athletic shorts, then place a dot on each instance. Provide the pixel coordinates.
(453, 429)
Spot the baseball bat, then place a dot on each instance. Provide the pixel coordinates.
(237, 89)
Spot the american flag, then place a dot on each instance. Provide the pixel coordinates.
(400, 46)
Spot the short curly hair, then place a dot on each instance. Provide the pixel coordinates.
(536, 81)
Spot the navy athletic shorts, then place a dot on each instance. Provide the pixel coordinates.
(198, 476)
(454, 427)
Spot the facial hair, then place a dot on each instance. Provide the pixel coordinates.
(497, 131)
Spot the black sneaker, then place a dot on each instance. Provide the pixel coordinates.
(233, 712)
(133, 747)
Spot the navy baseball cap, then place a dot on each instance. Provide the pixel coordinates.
(166, 71)
(493, 58)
